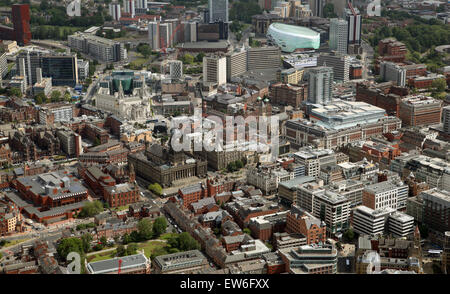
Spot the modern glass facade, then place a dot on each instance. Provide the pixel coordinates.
(289, 37)
(62, 69)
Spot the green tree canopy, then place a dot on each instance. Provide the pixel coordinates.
(159, 226)
(155, 188)
(439, 84)
(40, 98)
(86, 239)
(55, 96)
(144, 227)
(15, 92)
(243, 10)
(91, 209)
(132, 248)
(68, 245)
(120, 251)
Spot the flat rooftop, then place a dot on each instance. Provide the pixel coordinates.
(112, 265)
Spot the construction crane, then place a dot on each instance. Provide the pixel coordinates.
(170, 41)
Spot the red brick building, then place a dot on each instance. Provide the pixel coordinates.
(299, 221)
(383, 95)
(20, 32)
(192, 194)
(286, 94)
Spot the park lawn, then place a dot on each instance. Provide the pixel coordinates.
(167, 236)
(140, 61)
(15, 242)
(101, 256)
(151, 246)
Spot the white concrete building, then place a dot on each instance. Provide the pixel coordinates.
(215, 69)
(369, 221)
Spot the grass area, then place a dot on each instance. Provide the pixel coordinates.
(101, 256)
(15, 242)
(167, 236)
(120, 208)
(151, 246)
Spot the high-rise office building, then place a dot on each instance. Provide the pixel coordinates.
(129, 7)
(340, 64)
(353, 18)
(338, 35)
(165, 36)
(63, 69)
(218, 10)
(21, 22)
(316, 7)
(114, 11)
(320, 82)
(142, 4)
(20, 32)
(153, 35)
(189, 30)
(215, 69)
(446, 119)
(27, 61)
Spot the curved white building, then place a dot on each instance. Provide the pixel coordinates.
(290, 37)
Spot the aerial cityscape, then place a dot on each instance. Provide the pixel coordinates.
(224, 137)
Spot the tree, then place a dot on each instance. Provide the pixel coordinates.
(132, 248)
(231, 167)
(144, 49)
(15, 92)
(155, 188)
(120, 251)
(144, 227)
(239, 164)
(103, 240)
(186, 242)
(40, 98)
(67, 96)
(68, 245)
(86, 239)
(247, 231)
(159, 226)
(55, 96)
(199, 57)
(91, 209)
(126, 238)
(135, 236)
(243, 10)
(439, 85)
(349, 234)
(187, 59)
